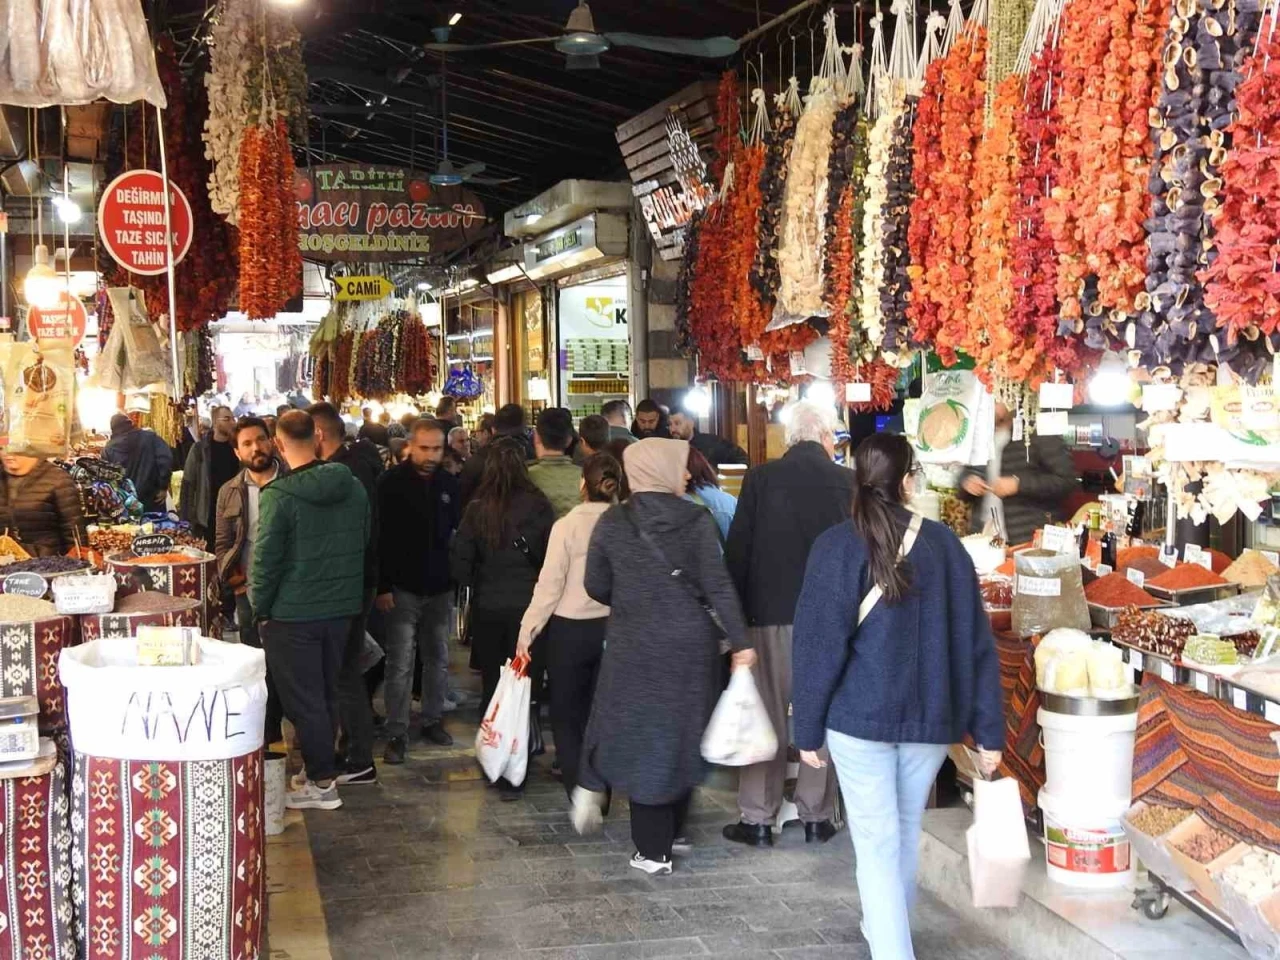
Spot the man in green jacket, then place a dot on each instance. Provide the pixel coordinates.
(306, 585)
(554, 471)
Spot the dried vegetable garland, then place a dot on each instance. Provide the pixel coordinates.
(896, 257)
(417, 366)
(1243, 283)
(1096, 212)
(340, 378)
(922, 311)
(376, 364)
(270, 262)
(945, 277)
(994, 223)
(773, 183)
(883, 378)
(1202, 48)
(871, 256)
(841, 241)
(746, 309)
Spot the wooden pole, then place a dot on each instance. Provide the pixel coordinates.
(168, 245)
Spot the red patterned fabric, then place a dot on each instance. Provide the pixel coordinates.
(35, 897)
(1023, 755)
(29, 665)
(94, 627)
(197, 580)
(169, 858)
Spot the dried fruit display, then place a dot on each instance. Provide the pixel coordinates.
(894, 345)
(1243, 283)
(871, 267)
(773, 184)
(1155, 633)
(417, 367)
(270, 262)
(922, 311)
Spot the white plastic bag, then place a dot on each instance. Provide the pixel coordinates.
(502, 742)
(740, 732)
(998, 847)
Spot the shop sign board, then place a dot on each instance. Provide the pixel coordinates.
(66, 321)
(26, 585)
(666, 150)
(370, 212)
(364, 288)
(131, 220)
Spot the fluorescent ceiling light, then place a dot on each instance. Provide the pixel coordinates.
(453, 21)
(423, 285)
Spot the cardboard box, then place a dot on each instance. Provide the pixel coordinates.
(1201, 874)
(1154, 851)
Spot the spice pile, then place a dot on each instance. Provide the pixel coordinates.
(1156, 821)
(1251, 570)
(1207, 845)
(151, 601)
(160, 559)
(1153, 632)
(1186, 576)
(16, 609)
(1114, 590)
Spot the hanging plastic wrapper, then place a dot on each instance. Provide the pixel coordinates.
(42, 398)
(464, 384)
(63, 52)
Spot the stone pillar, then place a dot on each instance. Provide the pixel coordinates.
(670, 374)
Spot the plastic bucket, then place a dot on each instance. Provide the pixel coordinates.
(275, 782)
(1087, 757)
(1085, 842)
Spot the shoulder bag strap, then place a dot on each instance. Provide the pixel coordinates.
(875, 593)
(676, 573)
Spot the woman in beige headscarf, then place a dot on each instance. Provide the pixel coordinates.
(656, 562)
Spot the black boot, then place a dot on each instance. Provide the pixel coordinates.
(752, 834)
(819, 832)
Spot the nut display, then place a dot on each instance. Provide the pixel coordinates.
(1255, 876)
(1156, 820)
(1207, 845)
(1153, 632)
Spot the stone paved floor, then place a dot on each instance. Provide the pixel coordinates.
(430, 864)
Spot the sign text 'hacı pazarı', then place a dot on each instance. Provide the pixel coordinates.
(361, 212)
(131, 220)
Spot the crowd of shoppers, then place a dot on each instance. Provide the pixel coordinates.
(630, 580)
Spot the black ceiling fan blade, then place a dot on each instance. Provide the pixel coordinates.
(498, 45)
(713, 48)
(472, 169)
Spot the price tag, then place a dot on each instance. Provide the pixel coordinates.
(149, 544)
(1052, 424)
(1057, 396)
(1019, 429)
(1135, 660)
(1039, 586)
(754, 353)
(1169, 557)
(1271, 557)
(857, 393)
(1058, 539)
(1201, 681)
(797, 363)
(1104, 570)
(1271, 711)
(26, 585)
(1205, 560)
(1160, 396)
(1192, 553)
(1166, 672)
(1136, 577)
(1239, 699)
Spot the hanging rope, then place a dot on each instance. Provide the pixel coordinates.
(955, 25)
(879, 64)
(760, 120)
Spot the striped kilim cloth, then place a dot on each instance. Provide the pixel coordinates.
(1023, 754)
(1195, 751)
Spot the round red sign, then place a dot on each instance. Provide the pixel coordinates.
(66, 321)
(131, 220)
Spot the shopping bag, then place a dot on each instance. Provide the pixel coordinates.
(998, 848)
(740, 732)
(502, 742)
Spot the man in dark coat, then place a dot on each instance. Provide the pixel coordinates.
(147, 460)
(784, 507)
(1026, 483)
(210, 464)
(715, 448)
(508, 422)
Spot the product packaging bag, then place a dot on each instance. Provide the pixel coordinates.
(502, 742)
(740, 732)
(998, 847)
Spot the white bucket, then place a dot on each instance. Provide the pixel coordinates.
(1085, 843)
(275, 783)
(1088, 757)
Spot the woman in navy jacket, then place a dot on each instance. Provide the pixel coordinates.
(893, 661)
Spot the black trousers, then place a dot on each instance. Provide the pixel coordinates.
(306, 659)
(494, 635)
(249, 637)
(354, 709)
(573, 651)
(655, 828)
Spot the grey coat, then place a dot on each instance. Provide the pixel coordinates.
(661, 672)
(1046, 478)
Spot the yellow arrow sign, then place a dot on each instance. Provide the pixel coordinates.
(364, 288)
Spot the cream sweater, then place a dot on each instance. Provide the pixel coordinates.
(560, 591)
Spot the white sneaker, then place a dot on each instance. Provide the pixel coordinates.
(651, 867)
(586, 813)
(308, 796)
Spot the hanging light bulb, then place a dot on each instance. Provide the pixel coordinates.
(698, 401)
(42, 286)
(68, 210)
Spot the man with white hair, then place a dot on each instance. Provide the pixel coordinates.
(785, 505)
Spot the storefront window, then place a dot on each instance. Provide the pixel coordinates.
(595, 345)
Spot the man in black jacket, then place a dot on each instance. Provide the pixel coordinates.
(715, 448)
(784, 507)
(365, 463)
(419, 504)
(147, 460)
(509, 422)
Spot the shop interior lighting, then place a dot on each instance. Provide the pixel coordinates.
(424, 286)
(1110, 386)
(821, 393)
(42, 285)
(68, 210)
(698, 401)
(287, 3)
(580, 35)
(453, 21)
(486, 332)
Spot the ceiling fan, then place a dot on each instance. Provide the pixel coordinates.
(582, 44)
(446, 174)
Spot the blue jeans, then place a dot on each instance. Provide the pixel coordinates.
(885, 788)
(416, 623)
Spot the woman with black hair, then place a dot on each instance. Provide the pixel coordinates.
(893, 661)
(498, 552)
(565, 620)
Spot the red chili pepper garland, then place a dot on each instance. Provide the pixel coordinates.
(922, 237)
(270, 262)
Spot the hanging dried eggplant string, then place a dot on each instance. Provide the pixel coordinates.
(896, 258)
(868, 326)
(773, 181)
